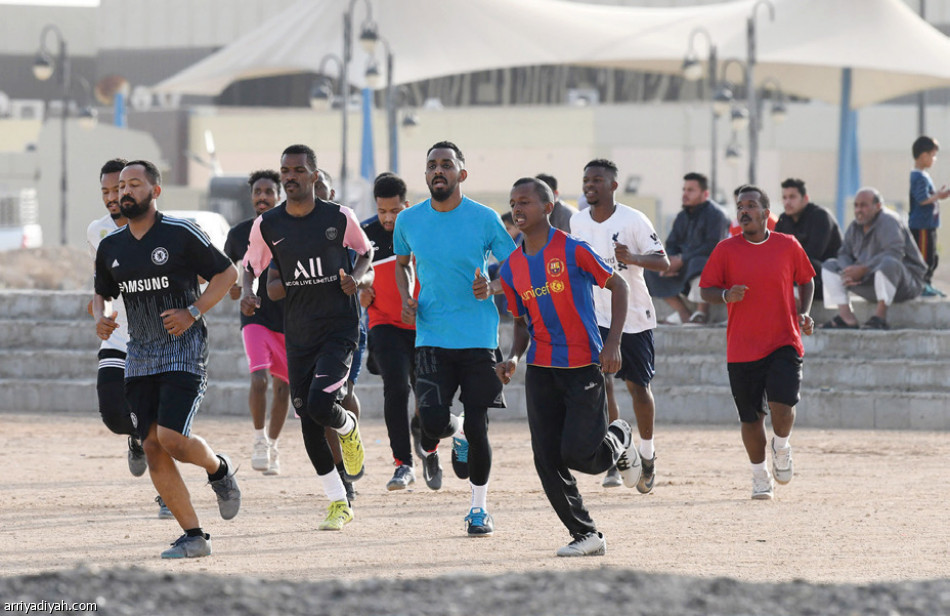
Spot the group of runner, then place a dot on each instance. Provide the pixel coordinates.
(582, 311)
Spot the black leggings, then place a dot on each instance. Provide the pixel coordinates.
(110, 385)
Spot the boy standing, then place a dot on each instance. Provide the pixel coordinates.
(925, 207)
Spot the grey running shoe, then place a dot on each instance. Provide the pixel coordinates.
(591, 544)
(432, 470)
(612, 479)
(227, 490)
(416, 431)
(189, 547)
(164, 513)
(762, 486)
(479, 523)
(137, 463)
(402, 478)
(782, 466)
(647, 475)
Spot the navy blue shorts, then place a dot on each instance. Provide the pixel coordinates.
(357, 364)
(637, 356)
(777, 377)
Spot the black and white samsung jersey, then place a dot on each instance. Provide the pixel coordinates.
(154, 274)
(309, 252)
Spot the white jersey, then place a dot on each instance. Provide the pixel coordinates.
(633, 229)
(97, 230)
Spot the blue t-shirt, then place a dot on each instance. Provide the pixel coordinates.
(448, 246)
(921, 188)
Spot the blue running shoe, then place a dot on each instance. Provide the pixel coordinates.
(479, 523)
(460, 457)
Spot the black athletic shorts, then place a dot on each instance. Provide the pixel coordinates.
(326, 366)
(441, 372)
(170, 399)
(637, 356)
(777, 377)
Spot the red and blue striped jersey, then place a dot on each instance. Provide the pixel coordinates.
(554, 289)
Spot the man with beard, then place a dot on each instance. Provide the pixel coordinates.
(154, 262)
(450, 237)
(392, 342)
(755, 275)
(307, 238)
(110, 381)
(263, 334)
(696, 231)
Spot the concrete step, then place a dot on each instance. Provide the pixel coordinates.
(26, 304)
(707, 404)
(221, 398)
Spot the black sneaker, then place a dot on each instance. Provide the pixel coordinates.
(460, 457)
(350, 490)
(137, 463)
(416, 431)
(432, 470)
(647, 475)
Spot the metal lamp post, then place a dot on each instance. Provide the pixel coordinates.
(43, 69)
(368, 38)
(692, 71)
(754, 116)
(321, 95)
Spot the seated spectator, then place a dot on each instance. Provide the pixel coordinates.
(812, 225)
(560, 216)
(696, 230)
(878, 261)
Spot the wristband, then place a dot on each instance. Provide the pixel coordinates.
(724, 300)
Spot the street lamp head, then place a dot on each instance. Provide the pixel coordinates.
(372, 74)
(42, 67)
(87, 118)
(692, 69)
(722, 100)
(369, 36)
(733, 152)
(321, 95)
(739, 116)
(410, 122)
(779, 112)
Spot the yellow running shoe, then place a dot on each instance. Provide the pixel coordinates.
(338, 515)
(352, 448)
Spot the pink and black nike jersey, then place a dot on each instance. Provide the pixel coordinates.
(554, 290)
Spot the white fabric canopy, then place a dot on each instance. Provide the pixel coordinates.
(891, 50)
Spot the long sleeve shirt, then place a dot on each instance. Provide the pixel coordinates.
(816, 230)
(696, 231)
(886, 235)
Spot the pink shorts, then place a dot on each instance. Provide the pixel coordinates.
(265, 350)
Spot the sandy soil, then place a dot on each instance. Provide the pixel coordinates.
(864, 507)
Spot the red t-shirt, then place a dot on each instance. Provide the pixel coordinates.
(767, 318)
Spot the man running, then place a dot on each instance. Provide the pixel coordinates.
(263, 334)
(627, 241)
(450, 237)
(392, 342)
(154, 262)
(548, 282)
(110, 380)
(755, 275)
(307, 238)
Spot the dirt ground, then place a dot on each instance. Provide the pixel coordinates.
(863, 507)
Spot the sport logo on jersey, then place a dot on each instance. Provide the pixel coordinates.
(331, 233)
(555, 267)
(554, 286)
(159, 256)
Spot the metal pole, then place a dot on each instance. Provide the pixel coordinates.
(391, 115)
(713, 139)
(344, 93)
(922, 95)
(65, 77)
(750, 96)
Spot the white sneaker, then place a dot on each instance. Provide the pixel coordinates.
(628, 463)
(259, 454)
(782, 465)
(591, 544)
(762, 486)
(273, 462)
